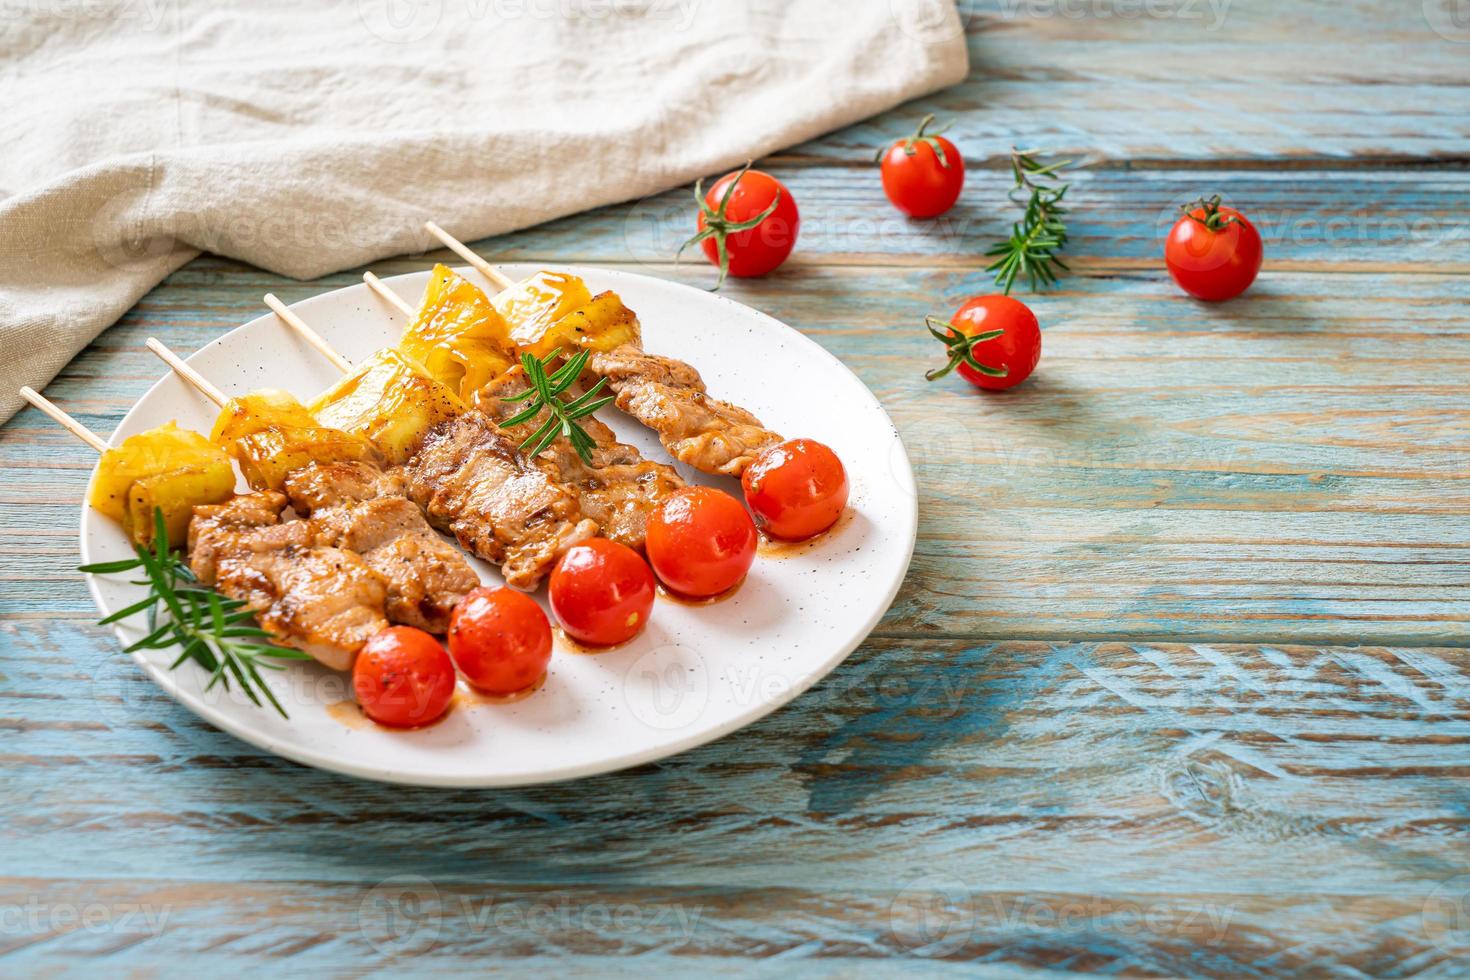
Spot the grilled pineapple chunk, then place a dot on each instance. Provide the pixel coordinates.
(601, 325)
(271, 434)
(167, 467)
(390, 400)
(458, 336)
(175, 493)
(532, 306)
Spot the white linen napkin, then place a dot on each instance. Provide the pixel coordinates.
(312, 137)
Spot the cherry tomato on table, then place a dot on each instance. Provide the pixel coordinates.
(1213, 252)
(701, 542)
(923, 174)
(500, 640)
(797, 489)
(601, 592)
(994, 340)
(403, 678)
(748, 223)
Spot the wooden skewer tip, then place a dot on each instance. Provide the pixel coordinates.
(459, 248)
(49, 409)
(304, 331)
(193, 377)
(381, 288)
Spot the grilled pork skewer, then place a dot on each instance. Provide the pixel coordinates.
(665, 394)
(669, 397)
(355, 506)
(323, 601)
(618, 489)
(471, 481)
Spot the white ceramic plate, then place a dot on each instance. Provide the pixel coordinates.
(695, 674)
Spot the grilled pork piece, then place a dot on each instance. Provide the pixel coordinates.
(472, 481)
(359, 507)
(618, 489)
(324, 601)
(669, 397)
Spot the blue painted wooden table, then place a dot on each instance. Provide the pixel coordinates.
(1178, 681)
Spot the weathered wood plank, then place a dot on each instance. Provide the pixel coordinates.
(1322, 220)
(1156, 745)
(935, 926)
(1248, 81)
(1295, 805)
(1290, 465)
(1311, 221)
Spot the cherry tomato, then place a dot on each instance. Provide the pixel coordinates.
(701, 542)
(994, 340)
(924, 174)
(601, 592)
(403, 678)
(753, 232)
(1213, 252)
(797, 489)
(500, 640)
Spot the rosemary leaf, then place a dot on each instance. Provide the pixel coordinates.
(1041, 233)
(545, 393)
(210, 630)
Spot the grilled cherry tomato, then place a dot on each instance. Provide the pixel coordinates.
(748, 223)
(500, 640)
(797, 489)
(994, 340)
(403, 678)
(601, 592)
(701, 542)
(923, 174)
(1213, 252)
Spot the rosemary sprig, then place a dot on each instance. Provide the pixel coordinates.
(545, 393)
(210, 630)
(1041, 233)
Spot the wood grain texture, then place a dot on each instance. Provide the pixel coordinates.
(1254, 83)
(1292, 466)
(1177, 685)
(1210, 808)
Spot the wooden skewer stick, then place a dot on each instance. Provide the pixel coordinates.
(311, 336)
(378, 286)
(307, 334)
(459, 248)
(62, 419)
(184, 371)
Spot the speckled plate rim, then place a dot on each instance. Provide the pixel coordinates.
(168, 680)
